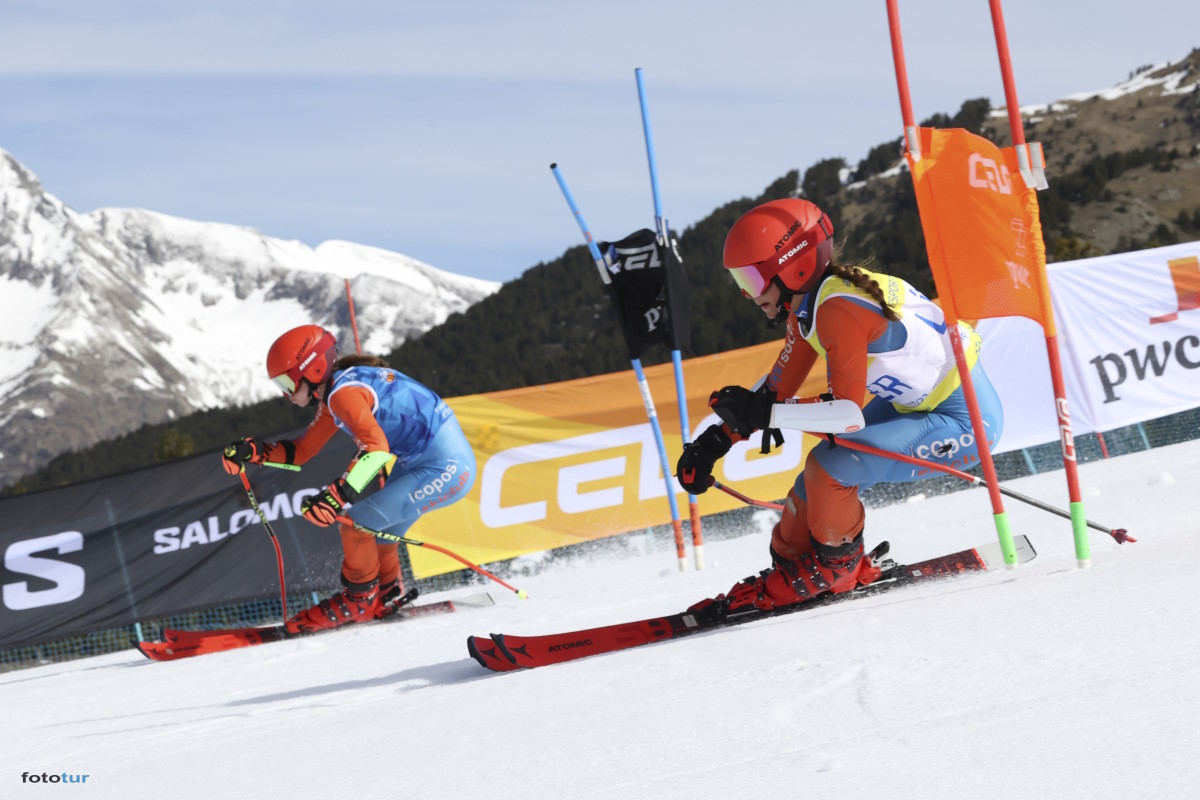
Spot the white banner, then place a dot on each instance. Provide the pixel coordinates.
(1128, 338)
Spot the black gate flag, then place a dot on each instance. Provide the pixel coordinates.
(649, 289)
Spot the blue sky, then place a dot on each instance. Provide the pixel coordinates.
(429, 128)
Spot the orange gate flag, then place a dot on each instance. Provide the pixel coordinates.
(982, 229)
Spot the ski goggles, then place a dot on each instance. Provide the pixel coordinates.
(750, 279)
(286, 383)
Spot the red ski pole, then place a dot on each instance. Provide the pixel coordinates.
(750, 501)
(1119, 534)
(274, 541)
(405, 540)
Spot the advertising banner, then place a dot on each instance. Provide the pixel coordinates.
(570, 462)
(1129, 337)
(156, 542)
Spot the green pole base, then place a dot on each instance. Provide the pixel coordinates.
(1004, 533)
(1083, 547)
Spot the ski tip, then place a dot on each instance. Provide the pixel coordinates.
(489, 654)
(137, 645)
(473, 652)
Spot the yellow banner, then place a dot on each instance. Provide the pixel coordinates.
(575, 461)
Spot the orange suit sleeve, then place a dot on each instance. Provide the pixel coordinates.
(793, 364)
(319, 431)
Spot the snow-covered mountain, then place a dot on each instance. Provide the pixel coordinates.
(121, 317)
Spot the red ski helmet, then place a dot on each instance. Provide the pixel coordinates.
(305, 353)
(791, 240)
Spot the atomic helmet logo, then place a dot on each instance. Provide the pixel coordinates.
(307, 344)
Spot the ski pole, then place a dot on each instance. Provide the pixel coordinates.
(1119, 534)
(405, 540)
(274, 540)
(750, 501)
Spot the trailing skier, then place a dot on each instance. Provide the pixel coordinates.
(883, 342)
(409, 442)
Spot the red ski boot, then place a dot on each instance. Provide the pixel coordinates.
(358, 602)
(827, 569)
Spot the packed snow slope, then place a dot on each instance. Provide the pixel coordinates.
(1045, 682)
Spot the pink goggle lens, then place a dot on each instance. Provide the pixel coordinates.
(750, 280)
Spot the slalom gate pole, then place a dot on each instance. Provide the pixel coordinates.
(353, 319)
(999, 515)
(643, 386)
(274, 540)
(680, 392)
(415, 543)
(1083, 553)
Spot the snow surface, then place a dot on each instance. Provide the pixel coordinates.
(1045, 682)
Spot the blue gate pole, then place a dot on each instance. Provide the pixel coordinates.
(680, 392)
(643, 386)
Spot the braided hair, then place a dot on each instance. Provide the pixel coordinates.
(358, 360)
(856, 276)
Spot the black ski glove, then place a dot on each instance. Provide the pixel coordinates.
(243, 451)
(745, 412)
(696, 464)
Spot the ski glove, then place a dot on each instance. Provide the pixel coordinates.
(696, 464)
(243, 451)
(325, 506)
(746, 411)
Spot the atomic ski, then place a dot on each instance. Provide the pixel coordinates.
(503, 653)
(184, 644)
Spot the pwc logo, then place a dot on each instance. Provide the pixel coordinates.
(984, 173)
(1185, 274)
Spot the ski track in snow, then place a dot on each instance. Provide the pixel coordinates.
(1045, 682)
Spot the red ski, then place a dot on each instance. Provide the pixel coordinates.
(185, 644)
(503, 653)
